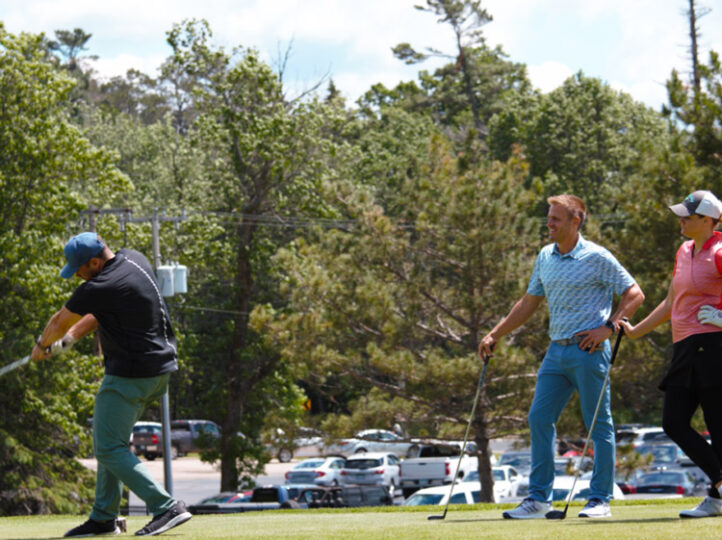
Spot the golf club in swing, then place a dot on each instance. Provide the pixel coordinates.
(466, 437)
(556, 514)
(14, 365)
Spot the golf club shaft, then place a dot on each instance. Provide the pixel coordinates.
(14, 365)
(594, 419)
(468, 428)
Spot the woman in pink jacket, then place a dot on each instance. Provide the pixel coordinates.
(695, 375)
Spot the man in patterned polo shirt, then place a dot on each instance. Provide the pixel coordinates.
(578, 279)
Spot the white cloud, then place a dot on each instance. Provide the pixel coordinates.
(642, 39)
(106, 68)
(549, 75)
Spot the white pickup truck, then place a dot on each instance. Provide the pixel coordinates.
(434, 464)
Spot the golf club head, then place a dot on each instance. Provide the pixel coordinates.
(556, 514)
(437, 517)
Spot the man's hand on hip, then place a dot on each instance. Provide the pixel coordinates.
(590, 339)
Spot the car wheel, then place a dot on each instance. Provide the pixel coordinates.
(150, 457)
(334, 483)
(285, 455)
(360, 451)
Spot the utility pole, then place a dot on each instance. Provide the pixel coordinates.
(155, 221)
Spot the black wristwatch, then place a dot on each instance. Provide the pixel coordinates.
(609, 324)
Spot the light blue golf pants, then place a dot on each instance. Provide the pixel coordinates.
(118, 405)
(563, 370)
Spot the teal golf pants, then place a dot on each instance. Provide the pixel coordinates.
(563, 370)
(118, 406)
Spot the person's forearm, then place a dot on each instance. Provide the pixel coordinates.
(83, 327)
(519, 314)
(660, 315)
(629, 303)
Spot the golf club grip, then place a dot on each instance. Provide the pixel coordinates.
(616, 343)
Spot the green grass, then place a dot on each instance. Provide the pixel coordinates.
(649, 519)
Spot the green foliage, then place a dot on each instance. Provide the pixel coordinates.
(583, 138)
(46, 168)
(701, 114)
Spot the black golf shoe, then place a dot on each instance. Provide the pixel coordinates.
(177, 515)
(94, 528)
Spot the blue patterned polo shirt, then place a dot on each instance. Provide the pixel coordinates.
(578, 286)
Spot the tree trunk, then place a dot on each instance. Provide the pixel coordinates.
(235, 372)
(486, 475)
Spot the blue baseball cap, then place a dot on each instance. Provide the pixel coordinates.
(79, 250)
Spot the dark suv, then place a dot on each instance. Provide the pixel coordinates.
(186, 435)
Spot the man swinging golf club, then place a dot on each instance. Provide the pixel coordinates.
(119, 297)
(578, 279)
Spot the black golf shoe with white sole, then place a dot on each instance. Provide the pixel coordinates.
(94, 528)
(177, 515)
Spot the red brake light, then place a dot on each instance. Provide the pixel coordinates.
(447, 468)
(632, 489)
(319, 474)
(343, 473)
(680, 490)
(154, 439)
(379, 471)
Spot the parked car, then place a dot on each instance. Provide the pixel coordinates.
(563, 484)
(626, 484)
(520, 460)
(222, 503)
(187, 435)
(641, 435)
(148, 441)
(321, 471)
(669, 482)
(665, 455)
(506, 481)
(370, 440)
(568, 465)
(350, 496)
(464, 493)
(434, 464)
(139, 444)
(373, 468)
(307, 442)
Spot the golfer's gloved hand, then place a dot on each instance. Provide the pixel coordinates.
(710, 315)
(62, 345)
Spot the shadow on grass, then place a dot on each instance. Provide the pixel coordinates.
(584, 522)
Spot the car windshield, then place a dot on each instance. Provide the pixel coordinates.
(309, 464)
(660, 478)
(420, 499)
(439, 450)
(516, 460)
(661, 453)
(363, 463)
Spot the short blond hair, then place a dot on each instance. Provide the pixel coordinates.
(572, 204)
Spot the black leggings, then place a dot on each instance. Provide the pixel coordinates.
(680, 404)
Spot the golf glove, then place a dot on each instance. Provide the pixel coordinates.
(710, 315)
(62, 345)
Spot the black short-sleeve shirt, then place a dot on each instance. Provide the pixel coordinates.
(133, 321)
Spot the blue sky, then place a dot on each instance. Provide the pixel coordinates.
(631, 44)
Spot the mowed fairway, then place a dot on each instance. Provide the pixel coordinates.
(657, 520)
